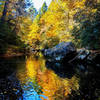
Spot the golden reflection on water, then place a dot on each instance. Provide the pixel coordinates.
(53, 86)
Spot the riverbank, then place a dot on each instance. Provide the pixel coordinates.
(82, 53)
(13, 51)
(11, 55)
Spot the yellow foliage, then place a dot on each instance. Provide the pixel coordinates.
(70, 26)
(34, 28)
(80, 4)
(57, 21)
(94, 10)
(52, 85)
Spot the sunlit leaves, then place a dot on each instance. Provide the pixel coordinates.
(94, 10)
(57, 21)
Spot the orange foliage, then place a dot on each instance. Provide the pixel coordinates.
(52, 85)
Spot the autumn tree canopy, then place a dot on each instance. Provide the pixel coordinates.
(62, 20)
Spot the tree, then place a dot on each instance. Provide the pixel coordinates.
(29, 8)
(86, 32)
(6, 7)
(2, 2)
(32, 12)
(43, 8)
(9, 23)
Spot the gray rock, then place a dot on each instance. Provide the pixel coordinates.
(83, 54)
(60, 51)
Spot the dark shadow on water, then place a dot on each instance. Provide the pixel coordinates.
(89, 75)
(63, 70)
(10, 87)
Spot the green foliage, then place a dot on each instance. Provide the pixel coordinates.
(7, 34)
(1, 5)
(33, 12)
(43, 9)
(8, 37)
(87, 31)
(63, 20)
(41, 12)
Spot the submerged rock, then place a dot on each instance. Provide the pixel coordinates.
(62, 51)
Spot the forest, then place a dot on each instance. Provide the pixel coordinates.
(23, 27)
(50, 53)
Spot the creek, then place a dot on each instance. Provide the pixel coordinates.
(33, 78)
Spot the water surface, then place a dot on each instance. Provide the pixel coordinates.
(33, 78)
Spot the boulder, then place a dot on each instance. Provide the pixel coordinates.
(62, 51)
(83, 54)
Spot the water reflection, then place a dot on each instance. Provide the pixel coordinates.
(10, 87)
(62, 69)
(33, 78)
(40, 83)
